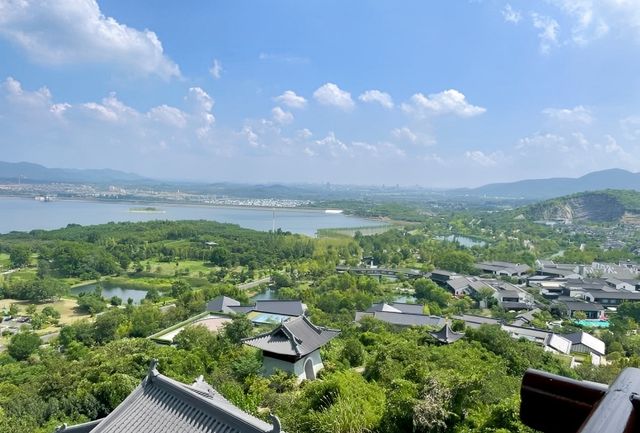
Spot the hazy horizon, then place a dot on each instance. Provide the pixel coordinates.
(439, 95)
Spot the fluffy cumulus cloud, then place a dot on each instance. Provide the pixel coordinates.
(281, 116)
(578, 114)
(585, 21)
(291, 100)
(216, 69)
(332, 95)
(76, 31)
(107, 131)
(481, 158)
(376, 96)
(407, 135)
(511, 15)
(335, 148)
(450, 102)
(574, 153)
(548, 31)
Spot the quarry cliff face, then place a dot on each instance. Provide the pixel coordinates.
(587, 207)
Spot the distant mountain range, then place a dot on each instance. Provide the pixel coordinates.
(30, 173)
(531, 190)
(559, 186)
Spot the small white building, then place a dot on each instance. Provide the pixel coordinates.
(294, 347)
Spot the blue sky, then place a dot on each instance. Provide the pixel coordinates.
(454, 93)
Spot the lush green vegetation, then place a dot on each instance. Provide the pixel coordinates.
(376, 377)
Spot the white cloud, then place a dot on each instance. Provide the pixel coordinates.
(216, 69)
(291, 100)
(334, 146)
(169, 115)
(404, 133)
(330, 94)
(201, 104)
(543, 141)
(280, 116)
(304, 134)
(447, 102)
(590, 17)
(481, 158)
(511, 15)
(106, 132)
(631, 127)
(548, 34)
(76, 31)
(574, 151)
(578, 114)
(381, 98)
(251, 136)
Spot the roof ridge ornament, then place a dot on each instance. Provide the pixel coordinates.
(153, 370)
(276, 423)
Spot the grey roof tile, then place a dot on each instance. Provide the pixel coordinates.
(163, 405)
(295, 337)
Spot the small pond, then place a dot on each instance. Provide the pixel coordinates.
(121, 291)
(267, 295)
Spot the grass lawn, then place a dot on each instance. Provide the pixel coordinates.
(66, 307)
(5, 264)
(169, 268)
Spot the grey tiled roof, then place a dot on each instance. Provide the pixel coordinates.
(471, 320)
(446, 335)
(408, 308)
(85, 427)
(162, 405)
(221, 304)
(397, 307)
(287, 308)
(295, 337)
(406, 319)
(587, 340)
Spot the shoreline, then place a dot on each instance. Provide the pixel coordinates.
(374, 221)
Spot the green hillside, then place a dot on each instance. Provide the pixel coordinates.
(598, 206)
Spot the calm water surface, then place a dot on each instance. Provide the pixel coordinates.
(19, 214)
(109, 292)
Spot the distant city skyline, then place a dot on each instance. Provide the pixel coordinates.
(438, 94)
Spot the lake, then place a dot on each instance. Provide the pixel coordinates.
(109, 292)
(21, 214)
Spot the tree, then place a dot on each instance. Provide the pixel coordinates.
(179, 287)
(431, 292)
(23, 344)
(153, 295)
(281, 280)
(107, 324)
(91, 303)
(20, 256)
(353, 352)
(145, 320)
(240, 327)
(456, 261)
(430, 413)
(115, 301)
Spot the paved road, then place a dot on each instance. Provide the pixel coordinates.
(255, 283)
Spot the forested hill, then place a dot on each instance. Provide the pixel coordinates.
(598, 206)
(561, 186)
(29, 172)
